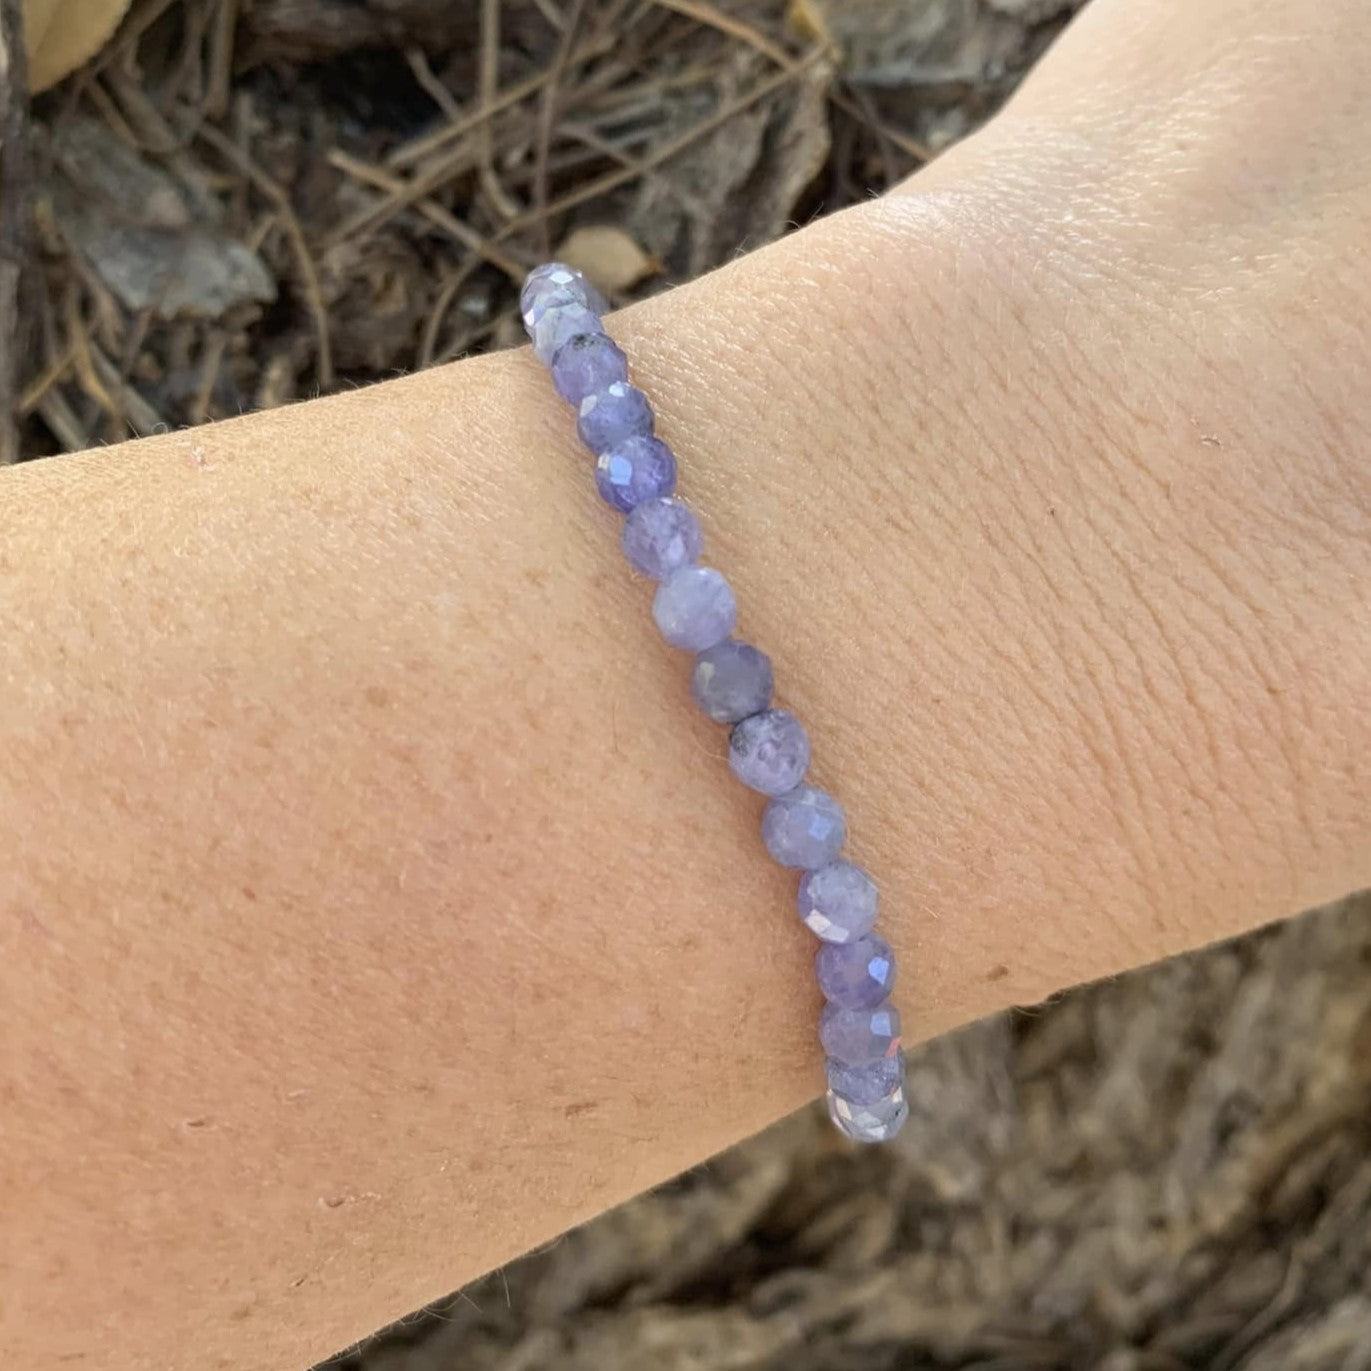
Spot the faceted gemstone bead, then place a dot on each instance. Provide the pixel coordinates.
(804, 828)
(864, 1123)
(609, 416)
(558, 325)
(661, 536)
(837, 902)
(858, 1037)
(856, 975)
(586, 363)
(694, 608)
(638, 469)
(552, 298)
(555, 283)
(769, 751)
(731, 681)
(867, 1084)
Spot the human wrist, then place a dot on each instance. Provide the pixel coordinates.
(1024, 519)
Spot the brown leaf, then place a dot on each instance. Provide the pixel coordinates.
(61, 34)
(608, 255)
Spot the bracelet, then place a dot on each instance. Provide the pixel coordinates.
(803, 827)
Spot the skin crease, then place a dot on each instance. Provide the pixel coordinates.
(378, 906)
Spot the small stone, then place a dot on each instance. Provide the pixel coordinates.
(769, 752)
(587, 363)
(856, 975)
(867, 1084)
(609, 416)
(555, 283)
(864, 1124)
(694, 608)
(858, 1037)
(731, 680)
(837, 902)
(804, 828)
(661, 536)
(638, 469)
(558, 325)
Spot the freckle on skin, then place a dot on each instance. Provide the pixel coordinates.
(378, 696)
(998, 973)
(32, 922)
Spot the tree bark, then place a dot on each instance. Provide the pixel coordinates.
(15, 220)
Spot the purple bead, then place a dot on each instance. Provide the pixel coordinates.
(769, 751)
(867, 1084)
(868, 1123)
(858, 1037)
(545, 300)
(837, 902)
(856, 975)
(694, 608)
(661, 536)
(609, 416)
(804, 828)
(638, 469)
(586, 363)
(731, 680)
(558, 325)
(552, 284)
(868, 1103)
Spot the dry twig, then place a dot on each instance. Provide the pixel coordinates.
(430, 209)
(309, 275)
(16, 192)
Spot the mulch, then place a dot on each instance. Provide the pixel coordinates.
(238, 205)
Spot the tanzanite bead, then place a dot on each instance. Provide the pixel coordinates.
(867, 1084)
(804, 828)
(769, 751)
(856, 975)
(858, 1037)
(694, 608)
(550, 299)
(731, 681)
(585, 364)
(661, 536)
(638, 469)
(552, 284)
(559, 325)
(837, 902)
(867, 1123)
(868, 1103)
(610, 415)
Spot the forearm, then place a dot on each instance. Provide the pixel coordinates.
(380, 906)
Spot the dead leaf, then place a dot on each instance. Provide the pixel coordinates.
(739, 187)
(61, 34)
(608, 255)
(139, 229)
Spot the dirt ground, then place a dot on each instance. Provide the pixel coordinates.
(245, 202)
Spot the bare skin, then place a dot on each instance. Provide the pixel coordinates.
(376, 906)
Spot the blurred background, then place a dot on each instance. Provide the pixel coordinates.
(219, 205)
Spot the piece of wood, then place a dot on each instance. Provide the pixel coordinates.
(16, 190)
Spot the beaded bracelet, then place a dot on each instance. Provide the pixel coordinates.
(803, 827)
